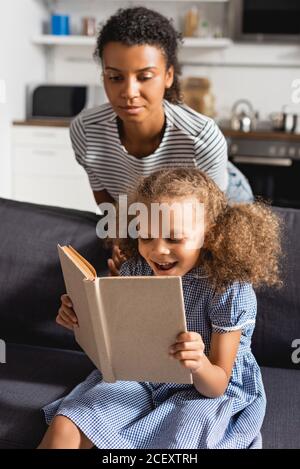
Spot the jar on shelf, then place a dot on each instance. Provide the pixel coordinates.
(89, 26)
(191, 22)
(198, 95)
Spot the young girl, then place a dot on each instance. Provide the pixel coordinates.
(225, 406)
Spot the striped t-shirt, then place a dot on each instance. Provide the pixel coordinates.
(190, 140)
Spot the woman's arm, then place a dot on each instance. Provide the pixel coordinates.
(211, 374)
(103, 196)
(117, 258)
(211, 154)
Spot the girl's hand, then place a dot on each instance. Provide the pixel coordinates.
(189, 349)
(66, 316)
(116, 261)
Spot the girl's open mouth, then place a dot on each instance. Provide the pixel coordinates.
(165, 266)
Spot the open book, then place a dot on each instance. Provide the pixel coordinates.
(126, 324)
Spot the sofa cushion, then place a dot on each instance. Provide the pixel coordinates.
(281, 427)
(278, 317)
(29, 380)
(31, 281)
(32, 378)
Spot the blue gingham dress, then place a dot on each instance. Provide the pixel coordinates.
(159, 415)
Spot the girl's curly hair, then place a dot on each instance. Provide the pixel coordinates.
(241, 241)
(140, 25)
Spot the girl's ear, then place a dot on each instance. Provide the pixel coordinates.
(169, 77)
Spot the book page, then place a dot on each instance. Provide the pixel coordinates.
(74, 273)
(86, 268)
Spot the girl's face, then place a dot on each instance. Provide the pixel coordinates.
(177, 253)
(135, 79)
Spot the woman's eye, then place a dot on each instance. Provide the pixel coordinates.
(145, 77)
(115, 78)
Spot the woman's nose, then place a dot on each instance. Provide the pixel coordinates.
(130, 89)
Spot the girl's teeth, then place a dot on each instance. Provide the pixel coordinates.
(165, 266)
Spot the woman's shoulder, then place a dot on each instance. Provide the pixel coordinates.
(93, 116)
(187, 119)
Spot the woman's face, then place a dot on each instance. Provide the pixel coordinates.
(135, 79)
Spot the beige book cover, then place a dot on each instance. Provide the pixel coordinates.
(126, 324)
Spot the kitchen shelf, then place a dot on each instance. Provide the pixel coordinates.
(49, 2)
(49, 40)
(72, 40)
(207, 42)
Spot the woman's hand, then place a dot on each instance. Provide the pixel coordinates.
(115, 262)
(189, 349)
(66, 316)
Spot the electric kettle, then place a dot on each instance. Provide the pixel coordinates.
(243, 116)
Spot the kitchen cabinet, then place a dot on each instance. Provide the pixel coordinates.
(44, 169)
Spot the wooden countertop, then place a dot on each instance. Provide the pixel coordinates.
(253, 135)
(45, 122)
(261, 135)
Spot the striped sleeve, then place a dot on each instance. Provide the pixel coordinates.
(233, 309)
(79, 144)
(211, 154)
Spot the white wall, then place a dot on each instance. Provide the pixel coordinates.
(262, 73)
(20, 63)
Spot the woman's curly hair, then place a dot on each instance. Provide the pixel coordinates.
(241, 241)
(140, 25)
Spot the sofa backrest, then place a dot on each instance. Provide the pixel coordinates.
(278, 317)
(31, 281)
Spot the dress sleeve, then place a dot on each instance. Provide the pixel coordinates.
(211, 154)
(134, 267)
(233, 309)
(127, 269)
(79, 144)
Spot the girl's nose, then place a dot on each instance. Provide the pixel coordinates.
(161, 247)
(130, 89)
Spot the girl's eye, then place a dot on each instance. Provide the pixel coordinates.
(174, 240)
(145, 239)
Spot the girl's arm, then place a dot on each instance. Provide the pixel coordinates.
(211, 374)
(212, 377)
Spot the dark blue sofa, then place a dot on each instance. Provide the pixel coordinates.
(42, 360)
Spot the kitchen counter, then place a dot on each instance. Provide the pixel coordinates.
(45, 122)
(253, 135)
(261, 135)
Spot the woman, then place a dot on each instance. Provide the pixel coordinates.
(145, 126)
